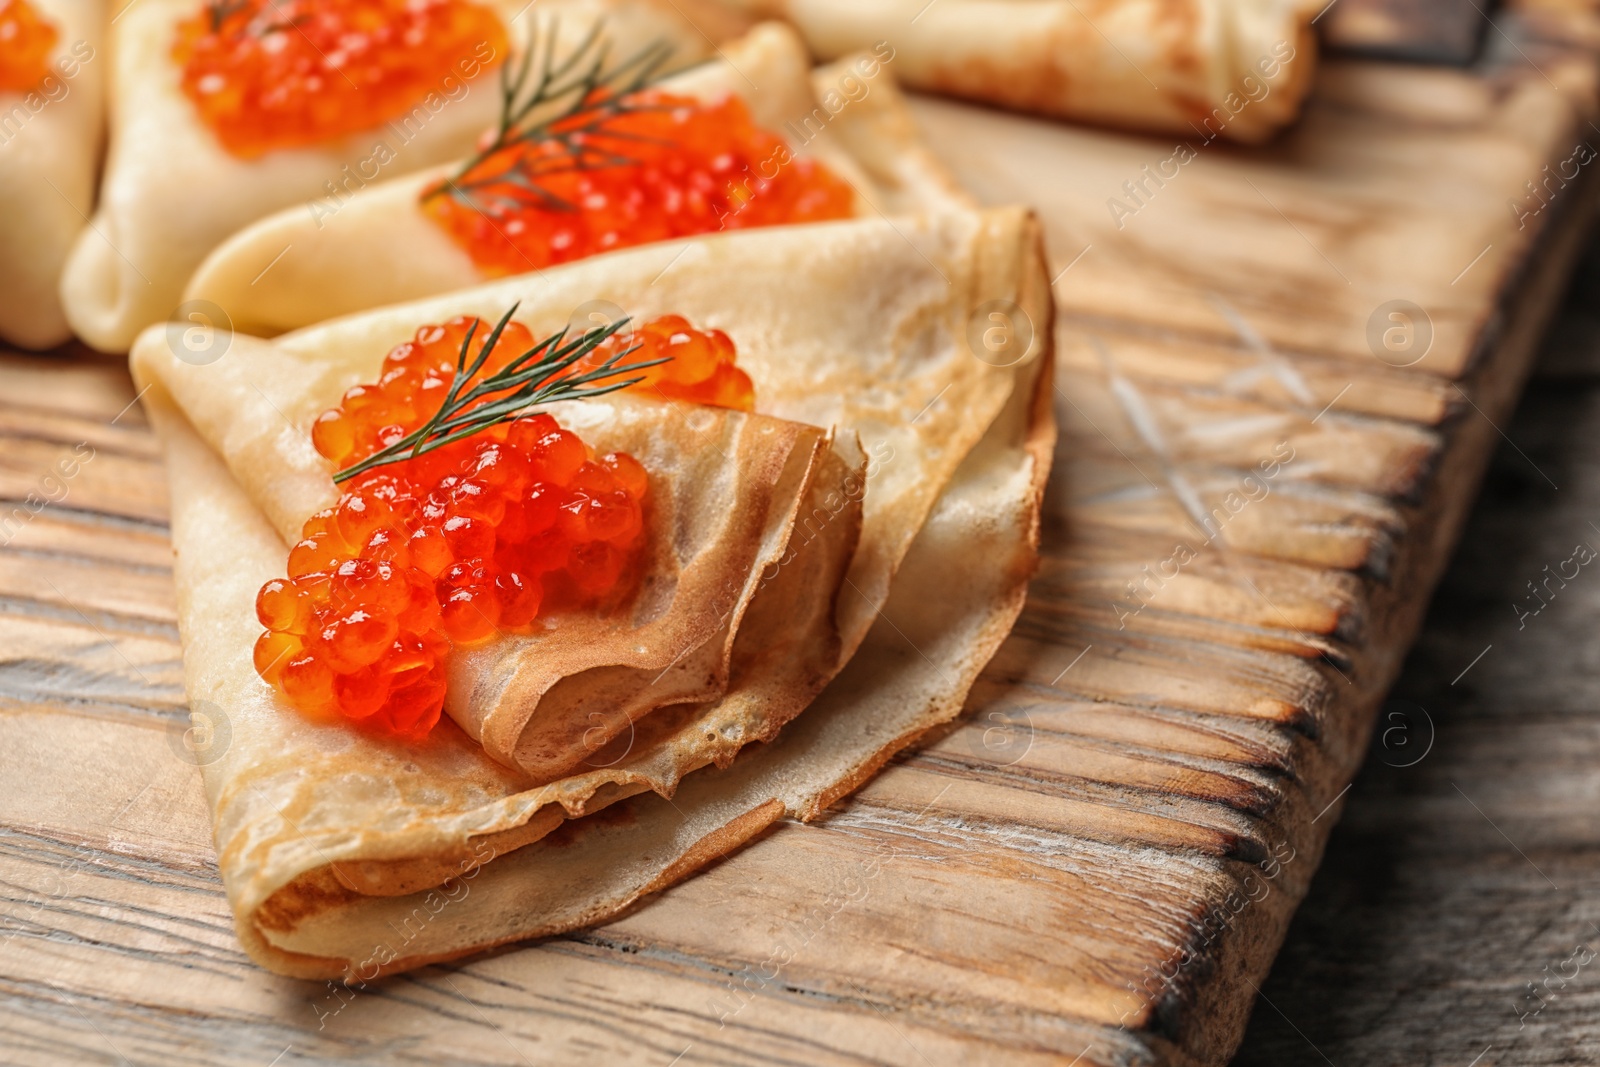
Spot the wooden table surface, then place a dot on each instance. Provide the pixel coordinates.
(1099, 864)
(1461, 873)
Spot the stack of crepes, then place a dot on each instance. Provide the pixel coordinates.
(816, 582)
(814, 577)
(848, 556)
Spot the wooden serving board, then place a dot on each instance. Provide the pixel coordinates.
(1248, 512)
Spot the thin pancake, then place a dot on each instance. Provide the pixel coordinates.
(1239, 69)
(902, 376)
(322, 903)
(171, 193)
(378, 247)
(725, 495)
(340, 853)
(50, 142)
(876, 336)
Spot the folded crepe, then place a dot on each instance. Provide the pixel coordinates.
(302, 266)
(50, 138)
(382, 832)
(728, 494)
(172, 192)
(1238, 69)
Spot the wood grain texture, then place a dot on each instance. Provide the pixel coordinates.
(1098, 865)
(1463, 871)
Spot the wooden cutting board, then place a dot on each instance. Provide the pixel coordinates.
(1260, 477)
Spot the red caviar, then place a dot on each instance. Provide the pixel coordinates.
(701, 363)
(270, 74)
(26, 41)
(690, 168)
(459, 543)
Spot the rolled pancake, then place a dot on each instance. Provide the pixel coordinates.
(346, 856)
(303, 265)
(726, 491)
(49, 152)
(171, 193)
(1235, 68)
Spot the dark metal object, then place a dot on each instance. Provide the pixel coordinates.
(1425, 31)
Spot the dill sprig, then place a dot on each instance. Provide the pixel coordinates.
(588, 95)
(538, 376)
(222, 10)
(257, 25)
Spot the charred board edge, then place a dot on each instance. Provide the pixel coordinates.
(1205, 1021)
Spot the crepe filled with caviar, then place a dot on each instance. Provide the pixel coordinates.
(1235, 69)
(956, 448)
(604, 158)
(51, 108)
(225, 112)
